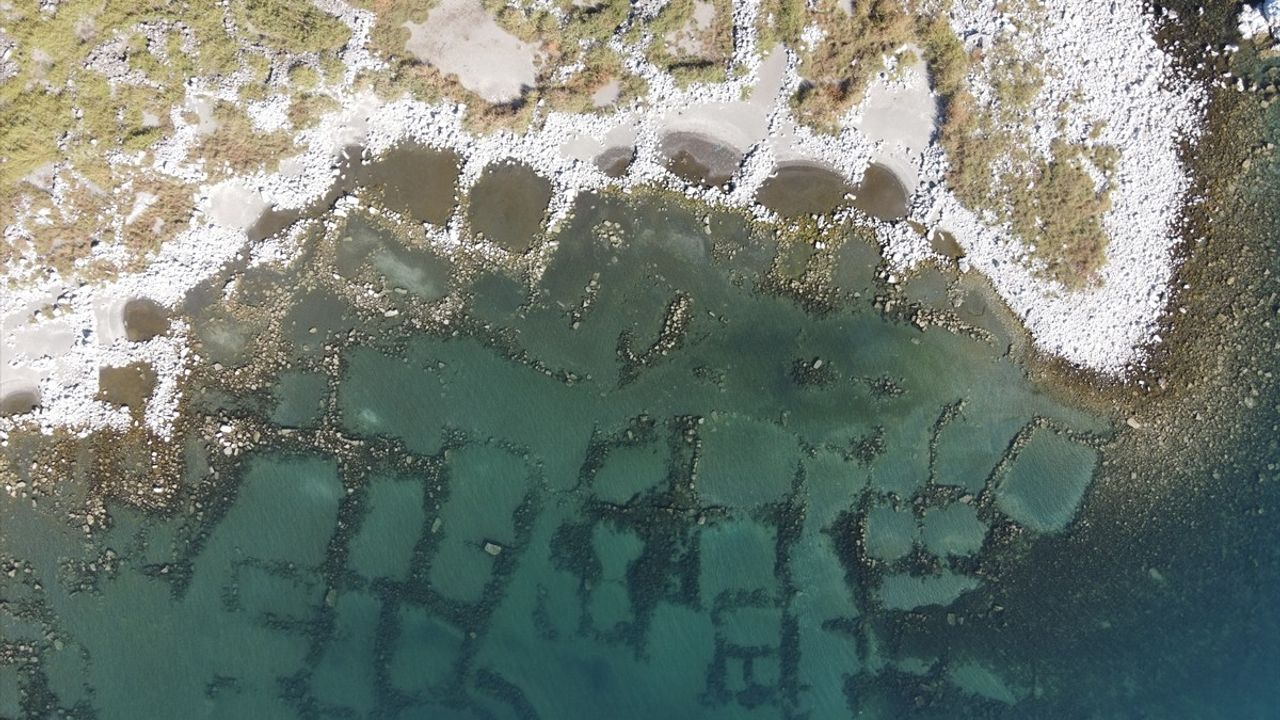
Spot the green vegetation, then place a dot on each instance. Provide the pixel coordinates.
(943, 54)
(303, 78)
(305, 108)
(55, 99)
(258, 85)
(687, 48)
(854, 44)
(516, 116)
(1105, 158)
(602, 66)
(235, 148)
(291, 26)
(389, 33)
(65, 235)
(1060, 213)
(1052, 204)
(101, 76)
(974, 145)
(781, 21)
(58, 112)
(412, 77)
(579, 38)
(1015, 81)
(594, 23)
(169, 211)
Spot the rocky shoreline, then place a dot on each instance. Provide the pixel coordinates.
(59, 332)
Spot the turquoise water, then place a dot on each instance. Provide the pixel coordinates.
(686, 469)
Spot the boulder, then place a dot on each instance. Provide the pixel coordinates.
(1259, 20)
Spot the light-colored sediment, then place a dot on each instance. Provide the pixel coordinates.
(900, 115)
(607, 95)
(460, 38)
(234, 205)
(1127, 83)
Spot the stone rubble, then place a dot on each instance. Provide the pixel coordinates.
(1256, 21)
(1127, 82)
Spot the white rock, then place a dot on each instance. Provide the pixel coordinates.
(1127, 82)
(1258, 20)
(1271, 11)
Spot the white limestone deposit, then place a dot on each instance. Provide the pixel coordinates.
(900, 115)
(1102, 59)
(460, 38)
(56, 333)
(1260, 20)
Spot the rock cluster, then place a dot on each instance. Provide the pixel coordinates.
(1260, 20)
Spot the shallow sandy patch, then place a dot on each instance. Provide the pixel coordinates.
(586, 148)
(739, 123)
(698, 158)
(235, 206)
(608, 94)
(899, 115)
(461, 39)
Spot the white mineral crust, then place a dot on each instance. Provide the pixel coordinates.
(1101, 56)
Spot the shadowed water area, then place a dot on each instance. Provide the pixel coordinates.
(19, 401)
(689, 468)
(796, 190)
(801, 189)
(699, 159)
(144, 319)
(881, 194)
(415, 181)
(615, 161)
(508, 204)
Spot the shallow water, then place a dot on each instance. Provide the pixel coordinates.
(599, 504)
(129, 386)
(615, 161)
(801, 190)
(699, 159)
(881, 194)
(19, 402)
(797, 190)
(692, 470)
(944, 243)
(144, 319)
(417, 182)
(508, 204)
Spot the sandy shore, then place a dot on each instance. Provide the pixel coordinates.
(55, 336)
